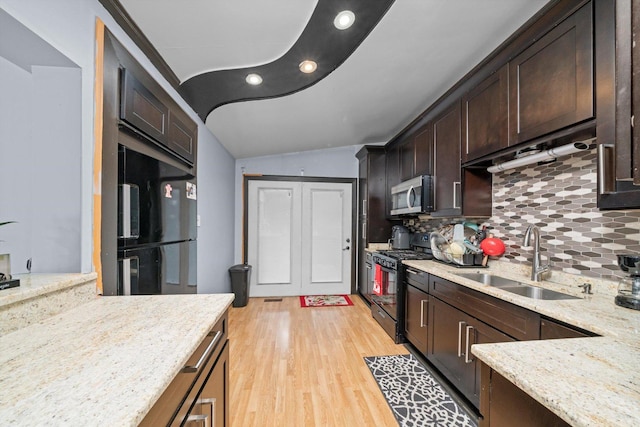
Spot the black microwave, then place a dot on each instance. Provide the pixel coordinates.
(413, 197)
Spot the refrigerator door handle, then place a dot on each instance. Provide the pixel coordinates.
(130, 211)
(129, 269)
(126, 276)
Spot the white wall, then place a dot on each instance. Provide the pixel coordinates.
(69, 26)
(333, 162)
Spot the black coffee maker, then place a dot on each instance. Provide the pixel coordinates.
(629, 287)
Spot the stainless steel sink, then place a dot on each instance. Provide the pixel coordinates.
(490, 279)
(537, 293)
(516, 287)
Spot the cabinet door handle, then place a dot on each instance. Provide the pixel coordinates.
(212, 402)
(606, 168)
(364, 207)
(434, 193)
(456, 202)
(197, 419)
(460, 326)
(467, 348)
(364, 231)
(205, 355)
(422, 322)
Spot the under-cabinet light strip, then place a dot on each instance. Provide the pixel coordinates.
(551, 154)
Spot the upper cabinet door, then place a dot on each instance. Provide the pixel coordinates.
(142, 109)
(407, 160)
(618, 98)
(392, 173)
(183, 136)
(423, 143)
(551, 82)
(485, 112)
(416, 155)
(446, 149)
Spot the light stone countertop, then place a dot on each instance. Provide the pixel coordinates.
(37, 284)
(104, 363)
(585, 381)
(372, 247)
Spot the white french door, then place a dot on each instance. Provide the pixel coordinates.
(299, 238)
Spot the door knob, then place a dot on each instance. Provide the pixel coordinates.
(346, 249)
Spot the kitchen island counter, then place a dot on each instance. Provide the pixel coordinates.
(105, 362)
(585, 381)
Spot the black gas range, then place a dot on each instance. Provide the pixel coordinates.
(387, 297)
(393, 256)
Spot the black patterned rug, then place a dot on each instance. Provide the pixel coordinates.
(414, 395)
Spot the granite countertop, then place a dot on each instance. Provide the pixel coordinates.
(38, 284)
(105, 362)
(585, 381)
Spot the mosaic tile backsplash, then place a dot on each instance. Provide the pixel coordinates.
(560, 198)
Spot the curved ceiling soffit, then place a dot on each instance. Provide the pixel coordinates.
(320, 41)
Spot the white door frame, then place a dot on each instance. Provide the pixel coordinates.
(354, 211)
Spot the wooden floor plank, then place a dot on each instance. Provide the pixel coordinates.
(294, 366)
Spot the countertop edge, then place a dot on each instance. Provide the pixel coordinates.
(35, 285)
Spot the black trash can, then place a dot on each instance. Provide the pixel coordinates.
(240, 276)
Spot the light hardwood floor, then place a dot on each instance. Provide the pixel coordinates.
(294, 366)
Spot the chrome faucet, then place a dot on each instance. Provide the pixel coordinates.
(536, 268)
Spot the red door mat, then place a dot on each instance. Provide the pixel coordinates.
(324, 300)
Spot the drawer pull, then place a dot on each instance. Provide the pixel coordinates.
(205, 355)
(467, 350)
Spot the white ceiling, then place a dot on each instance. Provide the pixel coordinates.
(419, 49)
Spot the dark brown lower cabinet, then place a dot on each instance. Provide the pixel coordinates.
(210, 407)
(199, 393)
(451, 335)
(416, 310)
(505, 405)
(551, 330)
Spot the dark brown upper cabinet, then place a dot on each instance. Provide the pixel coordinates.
(407, 160)
(485, 112)
(551, 82)
(182, 137)
(423, 143)
(392, 173)
(446, 169)
(142, 109)
(416, 155)
(372, 195)
(618, 95)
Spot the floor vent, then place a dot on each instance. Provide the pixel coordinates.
(273, 300)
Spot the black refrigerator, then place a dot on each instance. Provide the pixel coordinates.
(156, 226)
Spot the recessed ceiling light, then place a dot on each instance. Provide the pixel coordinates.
(254, 79)
(308, 66)
(344, 20)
